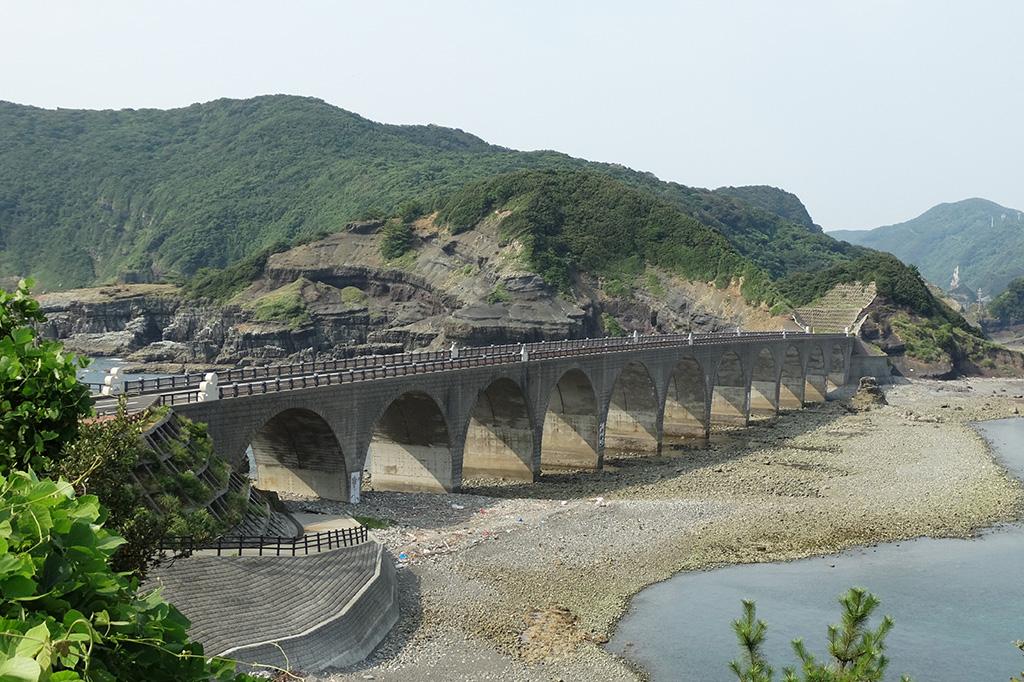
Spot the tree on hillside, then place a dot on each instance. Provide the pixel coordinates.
(857, 652)
(1008, 307)
(41, 399)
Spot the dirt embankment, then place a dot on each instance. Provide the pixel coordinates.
(525, 582)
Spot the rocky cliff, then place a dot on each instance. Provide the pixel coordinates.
(339, 296)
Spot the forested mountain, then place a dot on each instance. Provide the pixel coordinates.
(984, 239)
(87, 196)
(204, 194)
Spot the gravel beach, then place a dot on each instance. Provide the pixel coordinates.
(525, 582)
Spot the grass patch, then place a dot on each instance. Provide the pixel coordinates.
(611, 326)
(284, 305)
(372, 522)
(352, 295)
(498, 295)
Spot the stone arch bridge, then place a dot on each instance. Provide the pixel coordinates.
(426, 421)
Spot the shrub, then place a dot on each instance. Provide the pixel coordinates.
(65, 614)
(396, 239)
(41, 400)
(499, 294)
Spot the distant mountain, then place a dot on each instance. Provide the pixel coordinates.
(982, 238)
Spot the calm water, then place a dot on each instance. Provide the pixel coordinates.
(98, 368)
(958, 604)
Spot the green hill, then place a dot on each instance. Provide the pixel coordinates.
(89, 196)
(984, 239)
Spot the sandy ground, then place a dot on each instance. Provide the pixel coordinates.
(525, 582)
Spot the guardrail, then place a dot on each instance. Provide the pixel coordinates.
(256, 380)
(266, 545)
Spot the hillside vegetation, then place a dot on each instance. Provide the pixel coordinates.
(90, 196)
(984, 239)
(206, 194)
(1008, 307)
(570, 221)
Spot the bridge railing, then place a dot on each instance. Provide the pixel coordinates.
(500, 356)
(267, 545)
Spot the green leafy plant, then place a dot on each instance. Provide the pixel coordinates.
(65, 614)
(41, 400)
(857, 652)
(396, 239)
(499, 294)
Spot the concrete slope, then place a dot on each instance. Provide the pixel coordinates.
(305, 612)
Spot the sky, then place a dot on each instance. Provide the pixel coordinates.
(871, 111)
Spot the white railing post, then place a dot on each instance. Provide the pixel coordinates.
(524, 354)
(739, 332)
(689, 338)
(113, 382)
(454, 350)
(208, 388)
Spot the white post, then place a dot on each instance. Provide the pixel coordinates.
(208, 388)
(783, 333)
(738, 332)
(847, 330)
(523, 353)
(636, 336)
(113, 382)
(454, 350)
(689, 338)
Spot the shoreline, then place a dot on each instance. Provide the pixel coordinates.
(529, 582)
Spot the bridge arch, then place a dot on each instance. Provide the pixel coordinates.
(570, 431)
(631, 422)
(730, 399)
(499, 436)
(816, 376)
(296, 451)
(410, 449)
(764, 385)
(791, 385)
(685, 414)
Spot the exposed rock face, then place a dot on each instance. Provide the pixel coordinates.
(338, 297)
(869, 395)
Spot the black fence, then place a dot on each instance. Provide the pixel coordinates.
(266, 545)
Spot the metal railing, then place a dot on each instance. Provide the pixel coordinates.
(267, 545)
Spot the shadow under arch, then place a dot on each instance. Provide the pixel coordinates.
(764, 400)
(499, 437)
(837, 367)
(570, 437)
(296, 451)
(686, 402)
(631, 424)
(411, 449)
(791, 384)
(816, 378)
(730, 397)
